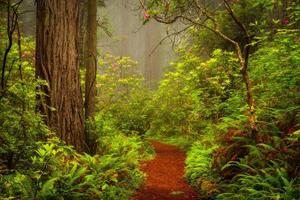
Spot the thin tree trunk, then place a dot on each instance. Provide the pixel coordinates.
(57, 62)
(250, 100)
(91, 60)
(91, 70)
(243, 59)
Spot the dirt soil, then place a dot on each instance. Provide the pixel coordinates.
(164, 176)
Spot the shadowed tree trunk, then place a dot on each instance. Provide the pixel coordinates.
(91, 60)
(57, 62)
(91, 68)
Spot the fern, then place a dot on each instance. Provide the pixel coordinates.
(269, 183)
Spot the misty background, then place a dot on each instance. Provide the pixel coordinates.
(129, 37)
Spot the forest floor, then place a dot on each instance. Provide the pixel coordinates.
(164, 176)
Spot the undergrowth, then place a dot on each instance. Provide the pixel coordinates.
(58, 172)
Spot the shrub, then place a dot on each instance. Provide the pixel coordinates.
(122, 99)
(199, 171)
(58, 172)
(271, 182)
(20, 125)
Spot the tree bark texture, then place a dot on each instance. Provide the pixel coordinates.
(90, 51)
(243, 60)
(57, 62)
(91, 59)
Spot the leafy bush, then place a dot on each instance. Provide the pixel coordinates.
(199, 171)
(205, 99)
(20, 125)
(120, 145)
(196, 92)
(272, 182)
(276, 76)
(122, 99)
(58, 172)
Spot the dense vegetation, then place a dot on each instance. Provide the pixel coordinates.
(35, 164)
(204, 97)
(237, 114)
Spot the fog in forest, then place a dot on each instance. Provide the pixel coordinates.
(131, 38)
(128, 36)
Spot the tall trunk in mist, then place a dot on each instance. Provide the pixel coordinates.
(91, 69)
(57, 62)
(91, 59)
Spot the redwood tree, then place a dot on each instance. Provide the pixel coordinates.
(57, 62)
(91, 69)
(91, 59)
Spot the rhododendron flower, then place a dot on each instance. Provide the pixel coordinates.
(114, 66)
(285, 21)
(146, 15)
(234, 157)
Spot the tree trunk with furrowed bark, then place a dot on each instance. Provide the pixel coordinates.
(91, 59)
(91, 69)
(57, 62)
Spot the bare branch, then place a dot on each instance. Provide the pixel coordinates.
(12, 23)
(143, 6)
(168, 36)
(19, 51)
(236, 20)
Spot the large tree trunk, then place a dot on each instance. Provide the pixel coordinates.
(91, 60)
(57, 62)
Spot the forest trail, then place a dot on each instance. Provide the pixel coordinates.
(164, 176)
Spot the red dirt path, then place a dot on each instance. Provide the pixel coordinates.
(164, 179)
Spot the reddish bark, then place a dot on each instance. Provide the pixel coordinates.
(57, 62)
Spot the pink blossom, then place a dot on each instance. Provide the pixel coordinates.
(146, 15)
(285, 21)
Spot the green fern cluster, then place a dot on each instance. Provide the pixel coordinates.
(272, 182)
(199, 170)
(58, 172)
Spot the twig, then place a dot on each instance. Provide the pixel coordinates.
(12, 23)
(236, 20)
(168, 36)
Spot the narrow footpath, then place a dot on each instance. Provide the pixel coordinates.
(164, 176)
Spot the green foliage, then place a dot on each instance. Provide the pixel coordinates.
(272, 182)
(32, 168)
(257, 16)
(181, 141)
(122, 98)
(20, 124)
(198, 161)
(120, 145)
(200, 99)
(174, 103)
(200, 105)
(58, 172)
(199, 169)
(275, 73)
(198, 91)
(119, 76)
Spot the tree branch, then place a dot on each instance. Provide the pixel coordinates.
(236, 20)
(168, 36)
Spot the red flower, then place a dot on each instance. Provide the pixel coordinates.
(285, 21)
(146, 15)
(291, 130)
(234, 157)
